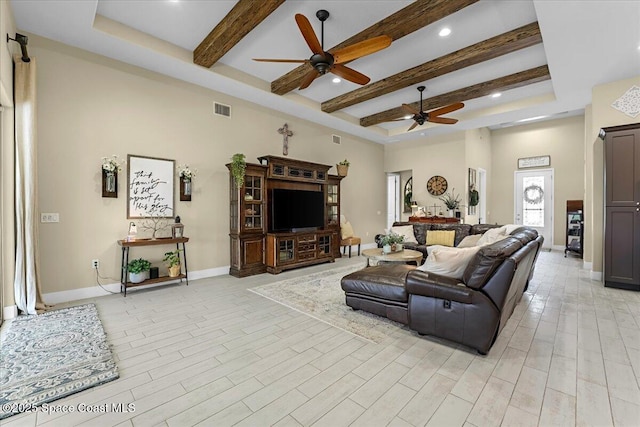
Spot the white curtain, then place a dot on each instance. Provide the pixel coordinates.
(27, 277)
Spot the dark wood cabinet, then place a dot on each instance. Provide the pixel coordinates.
(292, 250)
(247, 227)
(622, 206)
(252, 249)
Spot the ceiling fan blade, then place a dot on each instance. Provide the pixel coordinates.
(443, 120)
(363, 48)
(309, 35)
(412, 126)
(446, 109)
(308, 79)
(409, 109)
(296, 61)
(349, 74)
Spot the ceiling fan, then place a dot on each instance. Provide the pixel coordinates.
(323, 62)
(433, 116)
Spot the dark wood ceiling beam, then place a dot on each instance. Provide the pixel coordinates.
(240, 20)
(512, 81)
(405, 21)
(520, 38)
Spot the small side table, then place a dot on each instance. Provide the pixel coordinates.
(124, 275)
(407, 255)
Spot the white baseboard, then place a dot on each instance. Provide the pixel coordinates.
(587, 265)
(558, 248)
(596, 275)
(10, 312)
(96, 291)
(369, 246)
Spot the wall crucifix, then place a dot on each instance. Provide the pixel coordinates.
(286, 133)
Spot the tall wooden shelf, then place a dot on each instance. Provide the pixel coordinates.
(254, 250)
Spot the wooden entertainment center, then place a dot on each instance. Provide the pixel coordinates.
(253, 248)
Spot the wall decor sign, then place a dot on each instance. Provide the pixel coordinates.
(534, 162)
(629, 102)
(150, 192)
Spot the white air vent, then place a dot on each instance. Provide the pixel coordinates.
(221, 109)
(336, 139)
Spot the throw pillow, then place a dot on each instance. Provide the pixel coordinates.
(470, 241)
(346, 230)
(450, 262)
(491, 236)
(510, 228)
(441, 237)
(406, 231)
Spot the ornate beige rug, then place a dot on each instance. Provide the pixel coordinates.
(319, 295)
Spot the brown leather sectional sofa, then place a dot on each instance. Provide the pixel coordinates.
(420, 232)
(471, 311)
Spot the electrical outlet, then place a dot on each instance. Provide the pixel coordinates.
(95, 263)
(49, 217)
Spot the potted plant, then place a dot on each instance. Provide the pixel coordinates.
(343, 167)
(451, 201)
(172, 260)
(391, 242)
(238, 167)
(138, 270)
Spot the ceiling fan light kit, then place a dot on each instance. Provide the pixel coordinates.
(324, 62)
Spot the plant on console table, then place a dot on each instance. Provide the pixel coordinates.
(172, 260)
(451, 201)
(138, 270)
(391, 242)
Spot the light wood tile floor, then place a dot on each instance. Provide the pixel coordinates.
(214, 354)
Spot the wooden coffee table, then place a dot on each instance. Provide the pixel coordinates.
(408, 255)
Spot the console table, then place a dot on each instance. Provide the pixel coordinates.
(434, 219)
(124, 275)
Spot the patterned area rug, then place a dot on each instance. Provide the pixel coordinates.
(52, 355)
(319, 295)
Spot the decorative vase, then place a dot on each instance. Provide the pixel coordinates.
(342, 170)
(111, 182)
(138, 277)
(174, 270)
(451, 213)
(187, 187)
(386, 249)
(394, 247)
(399, 247)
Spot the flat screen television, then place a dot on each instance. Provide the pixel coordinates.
(292, 210)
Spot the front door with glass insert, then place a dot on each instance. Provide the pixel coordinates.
(534, 202)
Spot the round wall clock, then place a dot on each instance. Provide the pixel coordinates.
(437, 185)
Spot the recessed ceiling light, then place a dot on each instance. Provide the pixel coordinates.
(336, 80)
(421, 133)
(496, 95)
(444, 32)
(408, 116)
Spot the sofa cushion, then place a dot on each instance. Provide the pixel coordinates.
(482, 228)
(406, 231)
(384, 281)
(491, 236)
(487, 259)
(441, 237)
(462, 230)
(470, 241)
(450, 262)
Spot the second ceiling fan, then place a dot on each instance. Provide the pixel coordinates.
(323, 62)
(433, 116)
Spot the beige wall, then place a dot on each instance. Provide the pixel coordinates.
(90, 107)
(603, 115)
(443, 155)
(562, 140)
(7, 240)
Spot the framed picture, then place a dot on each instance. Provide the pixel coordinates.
(150, 190)
(473, 197)
(534, 162)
